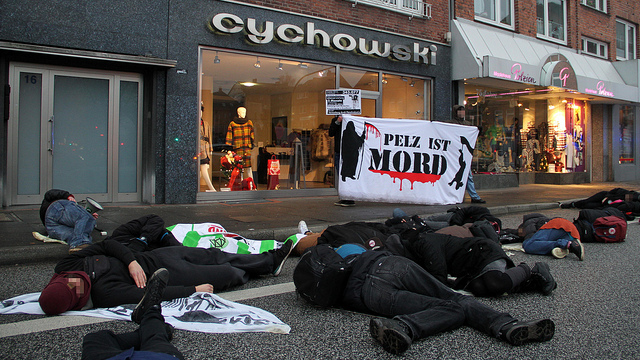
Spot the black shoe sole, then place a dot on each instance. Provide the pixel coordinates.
(391, 340)
(152, 294)
(540, 331)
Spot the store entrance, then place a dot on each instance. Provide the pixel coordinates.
(73, 130)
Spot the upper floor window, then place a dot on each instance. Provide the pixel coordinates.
(600, 5)
(417, 8)
(552, 19)
(498, 12)
(595, 48)
(625, 40)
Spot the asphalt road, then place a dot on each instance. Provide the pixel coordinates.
(595, 308)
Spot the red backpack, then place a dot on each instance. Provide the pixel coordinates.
(609, 229)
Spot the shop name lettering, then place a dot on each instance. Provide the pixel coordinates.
(601, 90)
(403, 161)
(231, 24)
(516, 74)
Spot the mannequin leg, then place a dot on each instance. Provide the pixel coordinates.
(204, 173)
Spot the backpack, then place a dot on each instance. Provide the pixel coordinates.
(609, 229)
(321, 275)
(587, 218)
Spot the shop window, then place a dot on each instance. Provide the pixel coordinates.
(600, 5)
(627, 138)
(403, 97)
(595, 48)
(285, 101)
(526, 134)
(625, 40)
(497, 12)
(551, 18)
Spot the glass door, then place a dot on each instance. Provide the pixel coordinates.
(74, 130)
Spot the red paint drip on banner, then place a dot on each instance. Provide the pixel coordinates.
(412, 177)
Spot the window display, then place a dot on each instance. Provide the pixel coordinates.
(527, 134)
(264, 108)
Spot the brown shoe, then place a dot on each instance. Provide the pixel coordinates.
(78, 248)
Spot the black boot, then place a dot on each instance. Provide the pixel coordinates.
(394, 335)
(541, 275)
(520, 332)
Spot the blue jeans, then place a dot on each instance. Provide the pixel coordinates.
(66, 220)
(545, 240)
(471, 188)
(398, 287)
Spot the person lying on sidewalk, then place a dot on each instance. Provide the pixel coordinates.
(65, 220)
(115, 275)
(152, 339)
(416, 305)
(558, 237)
(479, 264)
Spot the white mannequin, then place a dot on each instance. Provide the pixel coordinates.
(204, 152)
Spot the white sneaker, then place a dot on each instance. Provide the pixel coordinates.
(302, 227)
(559, 253)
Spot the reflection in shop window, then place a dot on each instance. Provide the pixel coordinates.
(627, 139)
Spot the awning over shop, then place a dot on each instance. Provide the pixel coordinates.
(481, 51)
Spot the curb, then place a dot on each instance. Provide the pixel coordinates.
(41, 253)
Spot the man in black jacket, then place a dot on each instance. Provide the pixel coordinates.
(422, 306)
(118, 272)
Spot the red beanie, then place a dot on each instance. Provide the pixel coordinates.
(57, 297)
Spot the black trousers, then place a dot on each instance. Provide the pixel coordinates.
(150, 336)
(194, 266)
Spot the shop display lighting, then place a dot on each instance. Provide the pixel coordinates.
(412, 83)
(279, 65)
(216, 60)
(303, 65)
(257, 64)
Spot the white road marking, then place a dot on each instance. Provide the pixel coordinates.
(60, 322)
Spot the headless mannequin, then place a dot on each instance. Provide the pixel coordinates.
(205, 148)
(242, 114)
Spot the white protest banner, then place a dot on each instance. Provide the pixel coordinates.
(404, 161)
(343, 101)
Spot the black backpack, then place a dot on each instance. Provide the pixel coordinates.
(321, 275)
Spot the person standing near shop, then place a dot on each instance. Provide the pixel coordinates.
(459, 118)
(240, 135)
(335, 130)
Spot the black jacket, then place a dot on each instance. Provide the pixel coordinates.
(50, 197)
(150, 227)
(335, 131)
(463, 258)
(112, 284)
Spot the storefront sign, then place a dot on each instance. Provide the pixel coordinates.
(266, 32)
(509, 70)
(404, 161)
(343, 101)
(600, 90)
(559, 74)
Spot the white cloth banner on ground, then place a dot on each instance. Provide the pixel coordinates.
(201, 312)
(208, 235)
(406, 161)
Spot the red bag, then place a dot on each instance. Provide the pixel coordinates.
(609, 229)
(273, 166)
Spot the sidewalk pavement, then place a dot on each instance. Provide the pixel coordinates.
(274, 218)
